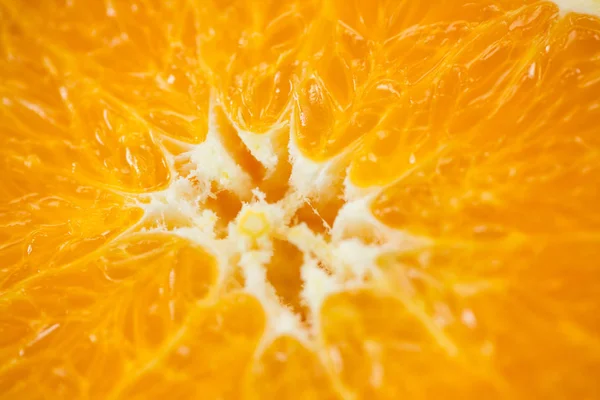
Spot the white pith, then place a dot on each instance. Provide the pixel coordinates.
(591, 7)
(333, 262)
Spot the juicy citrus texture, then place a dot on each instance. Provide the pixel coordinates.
(299, 199)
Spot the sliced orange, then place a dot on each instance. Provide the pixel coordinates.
(299, 199)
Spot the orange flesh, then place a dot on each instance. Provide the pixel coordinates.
(470, 131)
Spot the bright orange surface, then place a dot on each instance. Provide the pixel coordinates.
(474, 126)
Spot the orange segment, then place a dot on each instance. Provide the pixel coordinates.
(253, 48)
(363, 57)
(454, 98)
(288, 370)
(206, 358)
(283, 271)
(174, 101)
(473, 178)
(49, 219)
(105, 30)
(92, 135)
(482, 297)
(102, 315)
(127, 151)
(377, 357)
